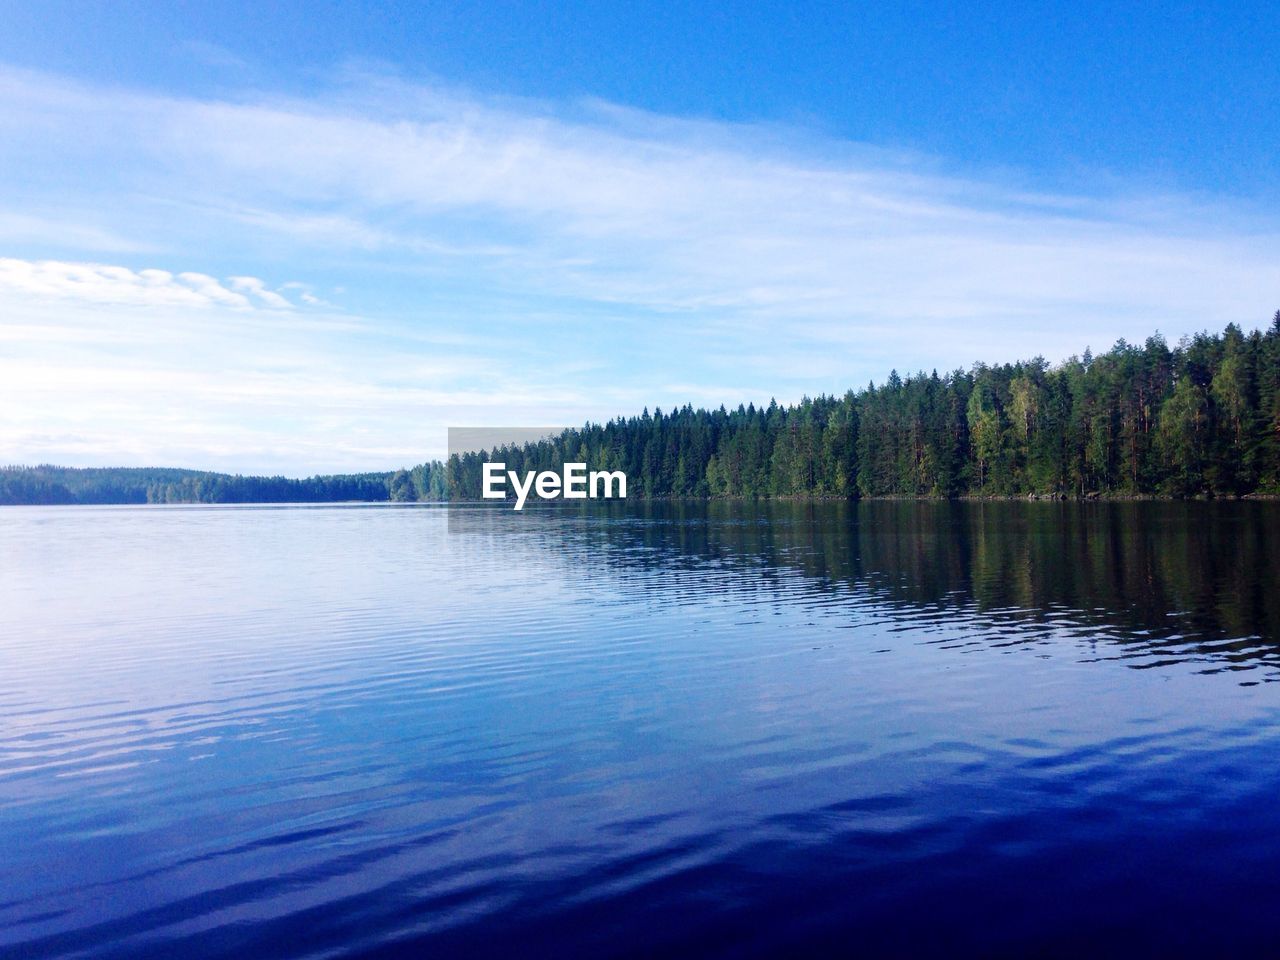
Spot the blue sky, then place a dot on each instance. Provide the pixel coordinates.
(291, 238)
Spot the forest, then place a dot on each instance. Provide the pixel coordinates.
(1200, 418)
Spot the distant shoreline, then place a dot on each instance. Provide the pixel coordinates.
(760, 498)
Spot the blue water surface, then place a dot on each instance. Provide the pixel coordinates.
(878, 729)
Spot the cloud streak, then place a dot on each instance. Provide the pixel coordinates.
(619, 209)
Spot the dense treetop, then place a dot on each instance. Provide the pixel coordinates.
(1198, 418)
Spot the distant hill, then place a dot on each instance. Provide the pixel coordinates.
(56, 485)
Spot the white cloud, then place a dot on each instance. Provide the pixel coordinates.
(107, 284)
(255, 288)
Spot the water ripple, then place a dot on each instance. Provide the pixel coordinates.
(726, 730)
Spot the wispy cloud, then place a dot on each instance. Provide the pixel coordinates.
(24, 230)
(612, 207)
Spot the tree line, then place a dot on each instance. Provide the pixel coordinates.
(61, 485)
(1200, 418)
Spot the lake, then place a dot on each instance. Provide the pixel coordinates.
(878, 729)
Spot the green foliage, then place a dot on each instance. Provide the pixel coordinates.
(1202, 418)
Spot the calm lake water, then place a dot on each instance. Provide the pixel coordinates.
(877, 729)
